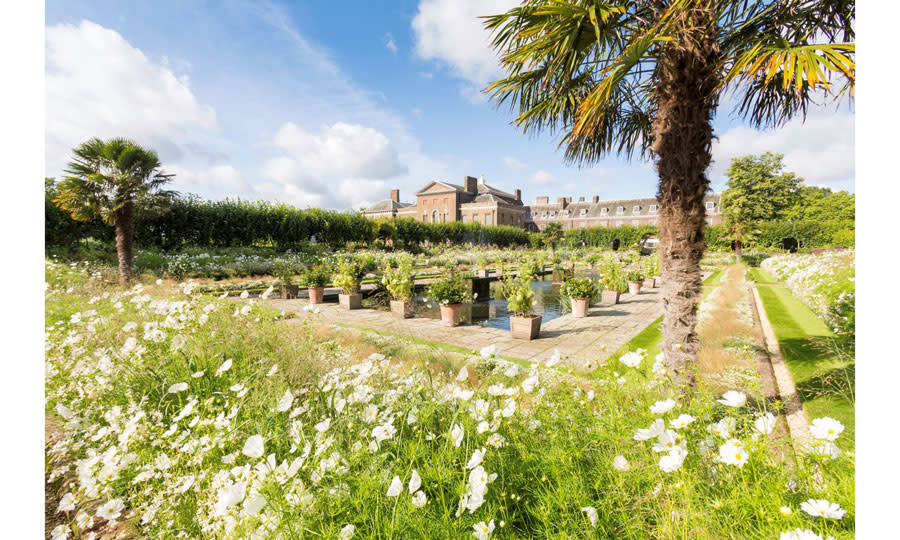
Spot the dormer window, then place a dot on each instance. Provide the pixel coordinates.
(653, 208)
(565, 212)
(710, 205)
(604, 211)
(620, 210)
(583, 211)
(636, 210)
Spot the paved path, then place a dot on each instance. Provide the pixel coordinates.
(579, 340)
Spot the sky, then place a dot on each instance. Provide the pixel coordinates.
(315, 106)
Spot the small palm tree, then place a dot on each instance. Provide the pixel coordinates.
(553, 233)
(109, 180)
(646, 77)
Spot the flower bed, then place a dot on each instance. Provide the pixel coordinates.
(825, 282)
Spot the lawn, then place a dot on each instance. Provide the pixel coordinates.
(821, 364)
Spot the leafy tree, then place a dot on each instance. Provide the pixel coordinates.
(646, 76)
(552, 234)
(109, 180)
(758, 191)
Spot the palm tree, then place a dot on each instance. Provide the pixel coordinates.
(108, 180)
(646, 76)
(552, 233)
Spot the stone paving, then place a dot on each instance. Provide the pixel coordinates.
(579, 340)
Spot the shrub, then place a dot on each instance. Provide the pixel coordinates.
(450, 289)
(400, 280)
(612, 277)
(579, 288)
(317, 275)
(634, 275)
(519, 296)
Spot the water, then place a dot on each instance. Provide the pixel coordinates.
(493, 313)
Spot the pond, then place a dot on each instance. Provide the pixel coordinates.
(492, 313)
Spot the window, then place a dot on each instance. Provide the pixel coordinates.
(709, 221)
(475, 218)
(434, 216)
(653, 208)
(565, 212)
(424, 218)
(652, 222)
(583, 211)
(604, 211)
(635, 222)
(487, 219)
(710, 205)
(620, 210)
(464, 218)
(581, 225)
(636, 210)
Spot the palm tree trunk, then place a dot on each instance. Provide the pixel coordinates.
(682, 139)
(124, 241)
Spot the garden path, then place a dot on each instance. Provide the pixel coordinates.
(583, 343)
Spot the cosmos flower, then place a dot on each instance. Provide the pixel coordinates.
(765, 424)
(178, 387)
(491, 351)
(456, 434)
(419, 499)
(415, 482)
(620, 463)
(226, 365)
(591, 514)
(253, 447)
(463, 374)
(111, 510)
(672, 461)
(681, 422)
(632, 359)
(395, 488)
(655, 430)
(476, 458)
(823, 508)
(347, 532)
(801, 534)
(66, 503)
(483, 530)
(826, 428)
(733, 453)
(662, 407)
(286, 401)
(733, 398)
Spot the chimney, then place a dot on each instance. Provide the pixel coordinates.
(542, 200)
(519, 195)
(561, 201)
(482, 178)
(596, 199)
(395, 195)
(471, 184)
(580, 199)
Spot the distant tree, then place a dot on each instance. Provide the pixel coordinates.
(110, 180)
(758, 190)
(552, 234)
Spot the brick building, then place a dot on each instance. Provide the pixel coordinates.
(477, 202)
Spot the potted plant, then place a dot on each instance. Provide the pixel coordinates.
(285, 270)
(523, 323)
(650, 267)
(348, 277)
(592, 260)
(316, 278)
(612, 281)
(481, 267)
(635, 280)
(580, 291)
(400, 282)
(450, 291)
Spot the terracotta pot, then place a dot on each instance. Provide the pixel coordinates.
(609, 298)
(525, 327)
(634, 287)
(290, 291)
(580, 306)
(316, 294)
(450, 314)
(350, 301)
(403, 309)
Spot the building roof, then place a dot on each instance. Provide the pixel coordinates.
(448, 185)
(586, 209)
(387, 205)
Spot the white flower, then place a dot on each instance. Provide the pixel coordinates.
(554, 359)
(632, 359)
(245, 294)
(347, 532)
(662, 407)
(826, 448)
(733, 453)
(483, 530)
(476, 458)
(765, 424)
(655, 430)
(395, 488)
(254, 503)
(323, 426)
(226, 365)
(60, 532)
(253, 446)
(786, 510)
(456, 434)
(681, 422)
(529, 384)
(415, 482)
(111, 510)
(272, 370)
(463, 374)
(482, 427)
(178, 387)
(384, 431)
(823, 508)
(509, 409)
(496, 440)
(826, 428)
(620, 463)
(591, 514)
(801, 534)
(419, 499)
(197, 375)
(723, 427)
(733, 398)
(66, 503)
(512, 370)
(286, 401)
(668, 441)
(491, 351)
(672, 461)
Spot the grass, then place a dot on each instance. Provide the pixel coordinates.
(821, 364)
(761, 276)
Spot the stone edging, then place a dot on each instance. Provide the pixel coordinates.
(797, 422)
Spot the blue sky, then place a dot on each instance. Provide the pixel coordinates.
(317, 106)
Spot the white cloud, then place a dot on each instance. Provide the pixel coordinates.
(342, 164)
(451, 32)
(514, 163)
(542, 178)
(389, 43)
(219, 179)
(821, 150)
(98, 85)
